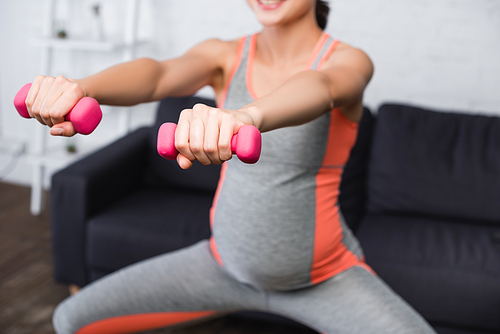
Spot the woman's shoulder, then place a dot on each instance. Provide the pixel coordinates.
(221, 55)
(346, 50)
(217, 50)
(217, 46)
(349, 55)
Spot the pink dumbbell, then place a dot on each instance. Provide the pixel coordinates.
(246, 144)
(85, 115)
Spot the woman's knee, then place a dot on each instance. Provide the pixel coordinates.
(63, 319)
(60, 319)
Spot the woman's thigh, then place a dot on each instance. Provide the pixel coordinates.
(354, 301)
(165, 290)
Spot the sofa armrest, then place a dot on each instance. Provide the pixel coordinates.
(84, 188)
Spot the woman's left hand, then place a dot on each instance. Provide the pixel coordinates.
(204, 133)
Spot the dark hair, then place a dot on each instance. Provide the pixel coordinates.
(322, 10)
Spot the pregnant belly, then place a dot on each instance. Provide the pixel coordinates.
(267, 241)
(264, 222)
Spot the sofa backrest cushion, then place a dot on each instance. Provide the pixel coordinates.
(352, 197)
(435, 163)
(166, 173)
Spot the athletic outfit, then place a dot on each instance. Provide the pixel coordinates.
(279, 243)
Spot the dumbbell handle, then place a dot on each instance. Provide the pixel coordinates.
(246, 144)
(85, 115)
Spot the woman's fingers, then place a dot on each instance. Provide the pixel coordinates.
(50, 99)
(182, 136)
(67, 98)
(43, 90)
(33, 93)
(211, 140)
(227, 129)
(204, 134)
(65, 129)
(184, 162)
(196, 140)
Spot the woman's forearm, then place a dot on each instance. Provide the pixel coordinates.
(124, 84)
(303, 98)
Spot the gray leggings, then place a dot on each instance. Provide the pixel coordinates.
(189, 284)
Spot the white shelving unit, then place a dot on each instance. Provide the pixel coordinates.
(75, 45)
(41, 159)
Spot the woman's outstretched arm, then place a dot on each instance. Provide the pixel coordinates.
(137, 81)
(310, 94)
(205, 133)
(145, 79)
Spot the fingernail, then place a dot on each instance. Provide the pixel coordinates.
(57, 132)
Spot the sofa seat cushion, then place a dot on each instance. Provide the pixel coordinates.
(448, 270)
(146, 223)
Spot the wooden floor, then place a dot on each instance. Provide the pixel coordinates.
(28, 294)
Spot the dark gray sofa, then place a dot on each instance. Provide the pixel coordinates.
(421, 192)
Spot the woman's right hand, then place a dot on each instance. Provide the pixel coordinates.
(50, 99)
(204, 133)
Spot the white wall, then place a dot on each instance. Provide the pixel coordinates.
(442, 54)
